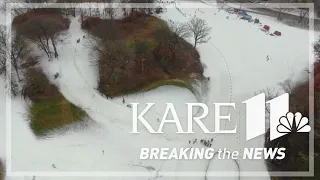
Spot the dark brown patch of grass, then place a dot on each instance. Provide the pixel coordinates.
(140, 36)
(49, 110)
(2, 170)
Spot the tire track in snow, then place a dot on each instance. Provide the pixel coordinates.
(231, 96)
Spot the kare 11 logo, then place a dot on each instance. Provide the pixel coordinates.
(282, 121)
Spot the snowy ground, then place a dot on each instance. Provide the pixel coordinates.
(236, 61)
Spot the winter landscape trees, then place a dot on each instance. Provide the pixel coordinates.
(3, 49)
(130, 58)
(297, 144)
(47, 29)
(44, 33)
(20, 55)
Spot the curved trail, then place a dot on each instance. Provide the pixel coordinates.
(99, 108)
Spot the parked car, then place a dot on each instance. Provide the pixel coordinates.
(246, 17)
(230, 10)
(266, 27)
(278, 33)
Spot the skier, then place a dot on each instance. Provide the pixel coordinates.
(56, 75)
(53, 166)
(102, 151)
(268, 58)
(123, 101)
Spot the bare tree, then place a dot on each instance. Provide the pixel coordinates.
(57, 34)
(19, 52)
(317, 48)
(115, 59)
(110, 10)
(281, 10)
(125, 10)
(270, 93)
(200, 30)
(36, 29)
(3, 49)
(72, 6)
(169, 40)
(303, 14)
(180, 30)
(287, 85)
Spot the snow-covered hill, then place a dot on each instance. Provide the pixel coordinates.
(236, 64)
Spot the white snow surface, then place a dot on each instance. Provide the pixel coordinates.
(236, 62)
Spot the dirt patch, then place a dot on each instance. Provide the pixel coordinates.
(135, 53)
(2, 170)
(56, 14)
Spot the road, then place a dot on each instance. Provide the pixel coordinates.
(289, 19)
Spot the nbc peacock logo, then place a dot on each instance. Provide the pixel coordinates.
(282, 121)
(293, 123)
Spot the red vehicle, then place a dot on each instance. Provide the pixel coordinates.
(277, 33)
(266, 27)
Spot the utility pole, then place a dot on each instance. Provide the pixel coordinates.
(142, 65)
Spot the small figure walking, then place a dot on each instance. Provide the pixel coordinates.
(267, 58)
(123, 101)
(56, 75)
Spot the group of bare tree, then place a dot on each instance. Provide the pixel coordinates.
(196, 27)
(117, 60)
(44, 33)
(19, 52)
(317, 48)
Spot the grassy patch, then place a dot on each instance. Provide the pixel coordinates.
(51, 114)
(2, 170)
(49, 110)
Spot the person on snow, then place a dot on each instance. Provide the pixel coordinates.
(267, 58)
(123, 101)
(56, 75)
(54, 166)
